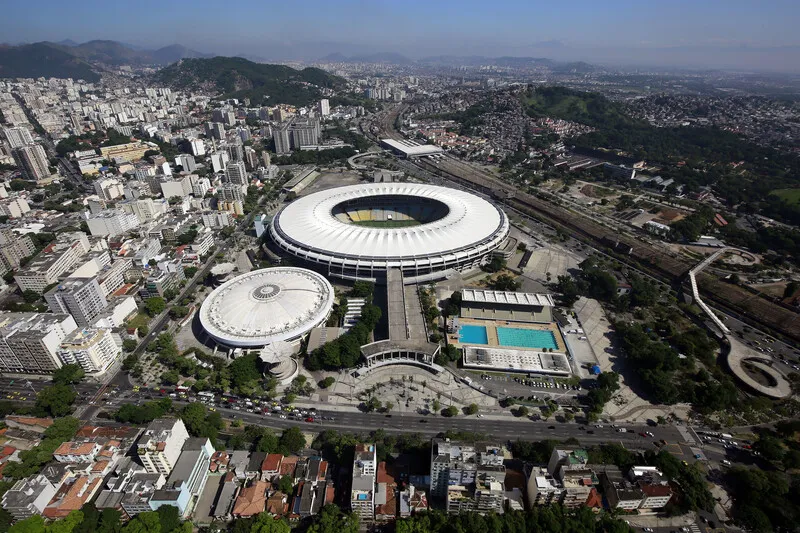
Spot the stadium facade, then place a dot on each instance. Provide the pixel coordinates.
(362, 231)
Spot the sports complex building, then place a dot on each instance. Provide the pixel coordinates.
(509, 332)
(363, 231)
(272, 306)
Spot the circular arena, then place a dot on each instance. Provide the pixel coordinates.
(267, 306)
(361, 231)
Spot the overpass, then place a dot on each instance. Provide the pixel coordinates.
(696, 293)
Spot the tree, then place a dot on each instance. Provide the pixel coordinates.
(189, 272)
(55, 401)
(244, 371)
(291, 441)
(788, 292)
(327, 382)
(362, 289)
(286, 484)
(155, 306)
(30, 296)
(69, 374)
(522, 411)
(34, 524)
(471, 409)
(504, 282)
(129, 345)
(201, 423)
(450, 411)
(373, 404)
(436, 405)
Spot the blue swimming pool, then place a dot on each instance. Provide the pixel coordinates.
(469, 334)
(526, 338)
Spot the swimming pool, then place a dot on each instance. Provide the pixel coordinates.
(469, 334)
(526, 338)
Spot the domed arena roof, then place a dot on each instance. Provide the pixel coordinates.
(267, 306)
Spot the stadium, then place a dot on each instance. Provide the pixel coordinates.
(361, 231)
(265, 307)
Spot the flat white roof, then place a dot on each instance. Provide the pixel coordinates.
(412, 148)
(500, 358)
(507, 297)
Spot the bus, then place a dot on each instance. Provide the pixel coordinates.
(206, 394)
(182, 389)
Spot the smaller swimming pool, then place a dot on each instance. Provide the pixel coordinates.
(526, 338)
(471, 334)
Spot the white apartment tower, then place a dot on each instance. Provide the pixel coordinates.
(160, 445)
(93, 349)
(32, 160)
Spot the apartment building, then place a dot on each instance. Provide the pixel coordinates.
(80, 297)
(94, 349)
(160, 445)
(29, 341)
(188, 477)
(53, 261)
(14, 207)
(111, 222)
(13, 249)
(362, 489)
(28, 497)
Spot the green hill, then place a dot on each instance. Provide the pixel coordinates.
(592, 109)
(43, 59)
(236, 77)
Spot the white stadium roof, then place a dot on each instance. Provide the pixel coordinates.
(309, 224)
(267, 306)
(412, 149)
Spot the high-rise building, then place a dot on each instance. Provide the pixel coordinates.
(469, 477)
(14, 207)
(111, 222)
(265, 157)
(236, 152)
(29, 341)
(29, 496)
(187, 479)
(200, 187)
(197, 146)
(80, 297)
(160, 445)
(225, 116)
(279, 114)
(17, 137)
(218, 161)
(324, 107)
(215, 130)
(56, 259)
(187, 162)
(32, 161)
(362, 488)
(304, 132)
(282, 140)
(236, 173)
(93, 349)
(109, 188)
(13, 249)
(250, 157)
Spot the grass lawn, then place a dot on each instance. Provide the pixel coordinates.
(139, 320)
(386, 223)
(791, 196)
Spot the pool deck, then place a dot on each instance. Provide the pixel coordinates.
(491, 332)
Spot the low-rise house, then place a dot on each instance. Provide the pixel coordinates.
(72, 496)
(252, 499)
(271, 466)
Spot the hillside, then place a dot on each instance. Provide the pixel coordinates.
(116, 53)
(236, 77)
(43, 59)
(591, 109)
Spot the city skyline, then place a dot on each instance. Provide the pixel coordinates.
(714, 34)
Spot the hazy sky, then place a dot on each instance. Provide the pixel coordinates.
(724, 33)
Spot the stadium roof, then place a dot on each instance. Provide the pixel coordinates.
(412, 149)
(267, 306)
(507, 297)
(309, 223)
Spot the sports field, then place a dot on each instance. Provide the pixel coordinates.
(791, 196)
(386, 223)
